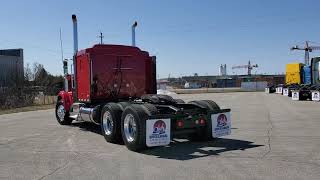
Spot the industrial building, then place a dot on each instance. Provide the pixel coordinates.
(11, 67)
(225, 81)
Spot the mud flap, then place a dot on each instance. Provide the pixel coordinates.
(285, 91)
(267, 90)
(221, 124)
(158, 132)
(295, 95)
(279, 90)
(315, 96)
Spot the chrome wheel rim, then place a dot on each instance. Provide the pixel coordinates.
(61, 112)
(107, 123)
(130, 127)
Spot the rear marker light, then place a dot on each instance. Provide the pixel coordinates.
(202, 121)
(180, 123)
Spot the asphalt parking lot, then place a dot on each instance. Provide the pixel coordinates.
(272, 137)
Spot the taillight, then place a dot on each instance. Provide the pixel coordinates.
(180, 123)
(202, 121)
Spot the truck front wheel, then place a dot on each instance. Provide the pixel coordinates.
(62, 115)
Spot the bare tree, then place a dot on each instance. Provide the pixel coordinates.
(28, 74)
(36, 79)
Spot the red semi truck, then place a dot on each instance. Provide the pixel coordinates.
(114, 86)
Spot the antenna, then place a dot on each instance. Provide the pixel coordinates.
(101, 37)
(61, 46)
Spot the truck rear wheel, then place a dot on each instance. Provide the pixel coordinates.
(179, 101)
(62, 115)
(207, 104)
(158, 99)
(166, 99)
(123, 105)
(205, 133)
(110, 122)
(133, 126)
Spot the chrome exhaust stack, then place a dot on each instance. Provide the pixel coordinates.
(75, 34)
(135, 24)
(75, 50)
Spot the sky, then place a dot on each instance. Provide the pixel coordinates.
(186, 36)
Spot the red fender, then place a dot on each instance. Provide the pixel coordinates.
(66, 98)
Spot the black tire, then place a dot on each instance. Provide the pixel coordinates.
(150, 109)
(111, 113)
(150, 98)
(213, 105)
(140, 116)
(158, 99)
(165, 99)
(179, 101)
(199, 104)
(207, 104)
(205, 133)
(65, 120)
(123, 105)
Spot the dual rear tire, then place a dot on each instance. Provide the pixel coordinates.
(207, 104)
(126, 124)
(206, 133)
(110, 125)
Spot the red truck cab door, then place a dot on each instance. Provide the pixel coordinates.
(83, 77)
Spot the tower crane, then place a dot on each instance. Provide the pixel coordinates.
(248, 66)
(306, 50)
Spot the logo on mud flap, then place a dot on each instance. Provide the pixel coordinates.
(159, 127)
(158, 132)
(222, 120)
(221, 124)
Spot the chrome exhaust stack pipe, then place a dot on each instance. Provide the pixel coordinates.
(135, 24)
(75, 50)
(75, 34)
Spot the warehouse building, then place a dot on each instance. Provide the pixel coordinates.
(11, 67)
(227, 81)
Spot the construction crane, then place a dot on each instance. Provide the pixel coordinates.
(306, 50)
(248, 66)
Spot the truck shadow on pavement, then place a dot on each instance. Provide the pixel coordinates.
(187, 150)
(87, 126)
(183, 149)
